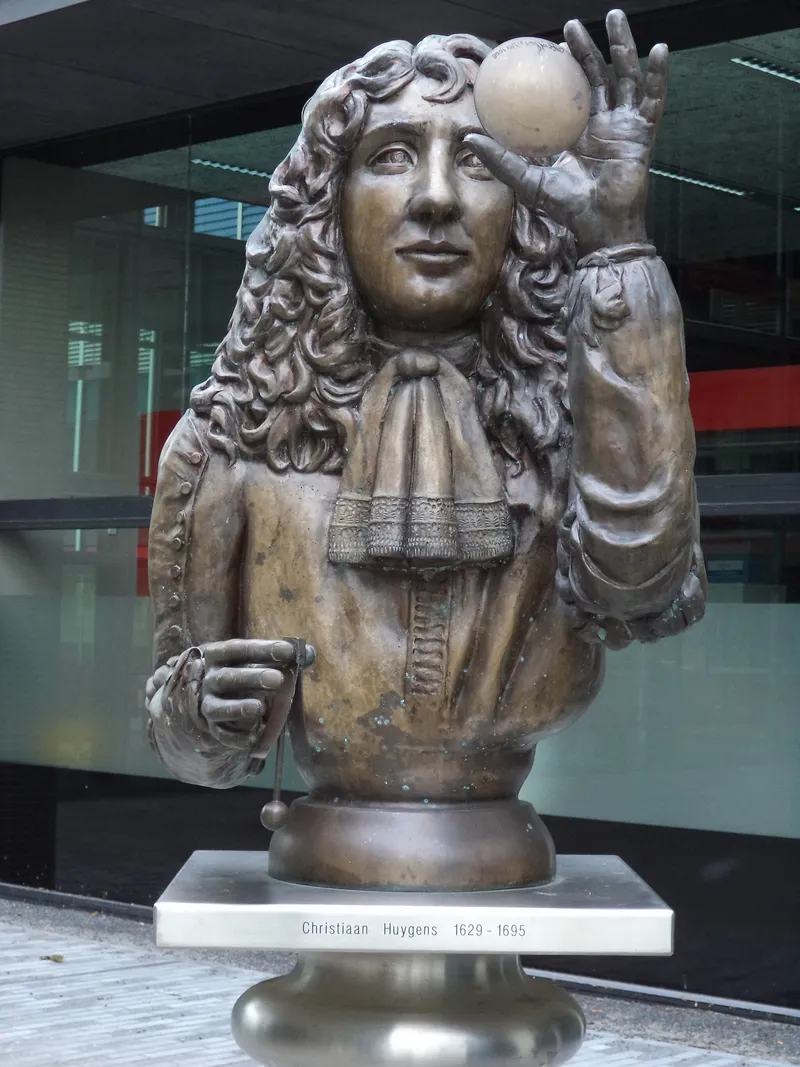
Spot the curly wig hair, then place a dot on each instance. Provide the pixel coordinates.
(288, 379)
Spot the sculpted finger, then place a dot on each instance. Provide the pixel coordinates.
(156, 681)
(591, 59)
(279, 708)
(243, 740)
(242, 650)
(624, 58)
(245, 713)
(150, 686)
(514, 171)
(557, 189)
(655, 85)
(230, 681)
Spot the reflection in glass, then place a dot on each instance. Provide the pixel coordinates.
(725, 211)
(701, 731)
(77, 636)
(140, 260)
(147, 252)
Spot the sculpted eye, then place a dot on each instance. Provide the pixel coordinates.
(470, 162)
(393, 158)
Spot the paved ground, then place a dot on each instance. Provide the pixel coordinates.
(92, 991)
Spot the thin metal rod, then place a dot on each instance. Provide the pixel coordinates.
(280, 750)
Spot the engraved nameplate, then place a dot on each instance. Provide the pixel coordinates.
(596, 905)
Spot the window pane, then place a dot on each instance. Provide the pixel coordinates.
(230, 190)
(94, 275)
(116, 287)
(702, 730)
(725, 213)
(77, 651)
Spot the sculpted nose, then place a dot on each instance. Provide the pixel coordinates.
(435, 197)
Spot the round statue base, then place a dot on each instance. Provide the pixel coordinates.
(403, 1009)
(413, 847)
(410, 979)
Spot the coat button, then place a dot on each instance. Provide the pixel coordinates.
(177, 543)
(195, 458)
(186, 488)
(181, 516)
(174, 600)
(175, 570)
(174, 631)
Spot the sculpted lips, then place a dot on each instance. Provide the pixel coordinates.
(434, 253)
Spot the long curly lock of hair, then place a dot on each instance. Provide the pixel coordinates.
(288, 379)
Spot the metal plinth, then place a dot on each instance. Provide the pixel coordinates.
(410, 979)
(595, 906)
(408, 1010)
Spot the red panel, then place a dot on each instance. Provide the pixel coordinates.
(757, 398)
(142, 586)
(162, 424)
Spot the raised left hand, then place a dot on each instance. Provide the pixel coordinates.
(598, 189)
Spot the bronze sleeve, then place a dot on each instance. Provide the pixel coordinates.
(196, 541)
(630, 561)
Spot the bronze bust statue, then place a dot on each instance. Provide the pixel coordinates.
(447, 442)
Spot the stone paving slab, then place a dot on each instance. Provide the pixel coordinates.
(102, 1004)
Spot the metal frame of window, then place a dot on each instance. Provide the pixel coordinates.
(718, 495)
(684, 25)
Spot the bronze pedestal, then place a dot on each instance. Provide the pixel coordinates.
(350, 1010)
(390, 979)
(501, 844)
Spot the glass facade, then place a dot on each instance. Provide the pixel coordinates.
(117, 282)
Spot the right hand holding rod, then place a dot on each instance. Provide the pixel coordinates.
(247, 689)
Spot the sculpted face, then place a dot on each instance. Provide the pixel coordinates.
(425, 224)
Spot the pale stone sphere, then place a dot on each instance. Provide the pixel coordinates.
(532, 96)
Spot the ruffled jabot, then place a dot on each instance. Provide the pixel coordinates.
(420, 487)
